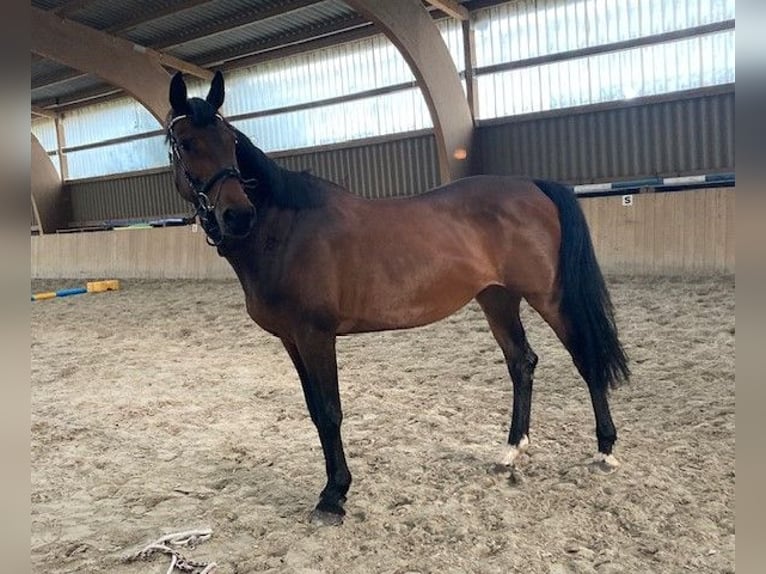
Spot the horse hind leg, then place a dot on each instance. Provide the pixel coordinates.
(501, 307)
(548, 306)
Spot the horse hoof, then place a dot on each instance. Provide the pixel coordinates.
(325, 518)
(499, 469)
(604, 464)
(511, 452)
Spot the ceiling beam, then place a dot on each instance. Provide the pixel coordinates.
(175, 63)
(242, 53)
(110, 58)
(167, 60)
(100, 93)
(244, 57)
(160, 57)
(267, 52)
(160, 12)
(340, 31)
(243, 19)
(451, 8)
(72, 6)
(43, 113)
(62, 77)
(473, 5)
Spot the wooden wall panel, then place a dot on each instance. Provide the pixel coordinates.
(162, 253)
(689, 232)
(665, 233)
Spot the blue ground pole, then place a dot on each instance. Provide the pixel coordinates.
(73, 291)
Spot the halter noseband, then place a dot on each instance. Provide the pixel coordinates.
(203, 208)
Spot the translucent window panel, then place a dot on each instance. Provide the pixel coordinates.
(529, 28)
(128, 156)
(452, 34)
(368, 117)
(343, 70)
(107, 120)
(44, 129)
(690, 63)
(338, 71)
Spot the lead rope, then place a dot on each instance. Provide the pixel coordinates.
(163, 545)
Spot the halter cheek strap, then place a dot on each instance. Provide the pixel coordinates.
(204, 209)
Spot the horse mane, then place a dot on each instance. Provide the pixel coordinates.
(284, 188)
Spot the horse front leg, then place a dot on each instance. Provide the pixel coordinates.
(313, 355)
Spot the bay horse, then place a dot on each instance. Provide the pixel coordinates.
(316, 262)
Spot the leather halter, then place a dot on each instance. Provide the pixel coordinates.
(204, 209)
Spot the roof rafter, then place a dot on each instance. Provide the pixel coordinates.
(60, 78)
(242, 53)
(43, 113)
(110, 58)
(451, 8)
(245, 19)
(266, 52)
(161, 12)
(98, 93)
(161, 58)
(72, 6)
(175, 63)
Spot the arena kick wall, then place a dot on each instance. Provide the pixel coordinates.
(673, 233)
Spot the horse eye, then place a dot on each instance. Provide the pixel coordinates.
(186, 145)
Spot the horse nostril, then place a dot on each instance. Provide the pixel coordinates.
(237, 221)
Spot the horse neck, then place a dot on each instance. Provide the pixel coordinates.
(277, 186)
(268, 176)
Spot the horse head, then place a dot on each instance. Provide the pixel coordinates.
(204, 161)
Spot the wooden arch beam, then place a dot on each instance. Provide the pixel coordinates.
(135, 69)
(412, 30)
(47, 191)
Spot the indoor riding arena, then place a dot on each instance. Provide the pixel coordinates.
(171, 430)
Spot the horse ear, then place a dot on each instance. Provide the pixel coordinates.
(178, 94)
(216, 93)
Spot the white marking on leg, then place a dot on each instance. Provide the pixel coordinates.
(511, 452)
(606, 460)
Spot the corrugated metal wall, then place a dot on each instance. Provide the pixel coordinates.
(385, 169)
(664, 138)
(388, 168)
(355, 119)
(142, 196)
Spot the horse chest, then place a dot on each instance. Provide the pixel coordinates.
(267, 317)
(266, 296)
(273, 307)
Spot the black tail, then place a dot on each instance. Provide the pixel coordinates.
(585, 299)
